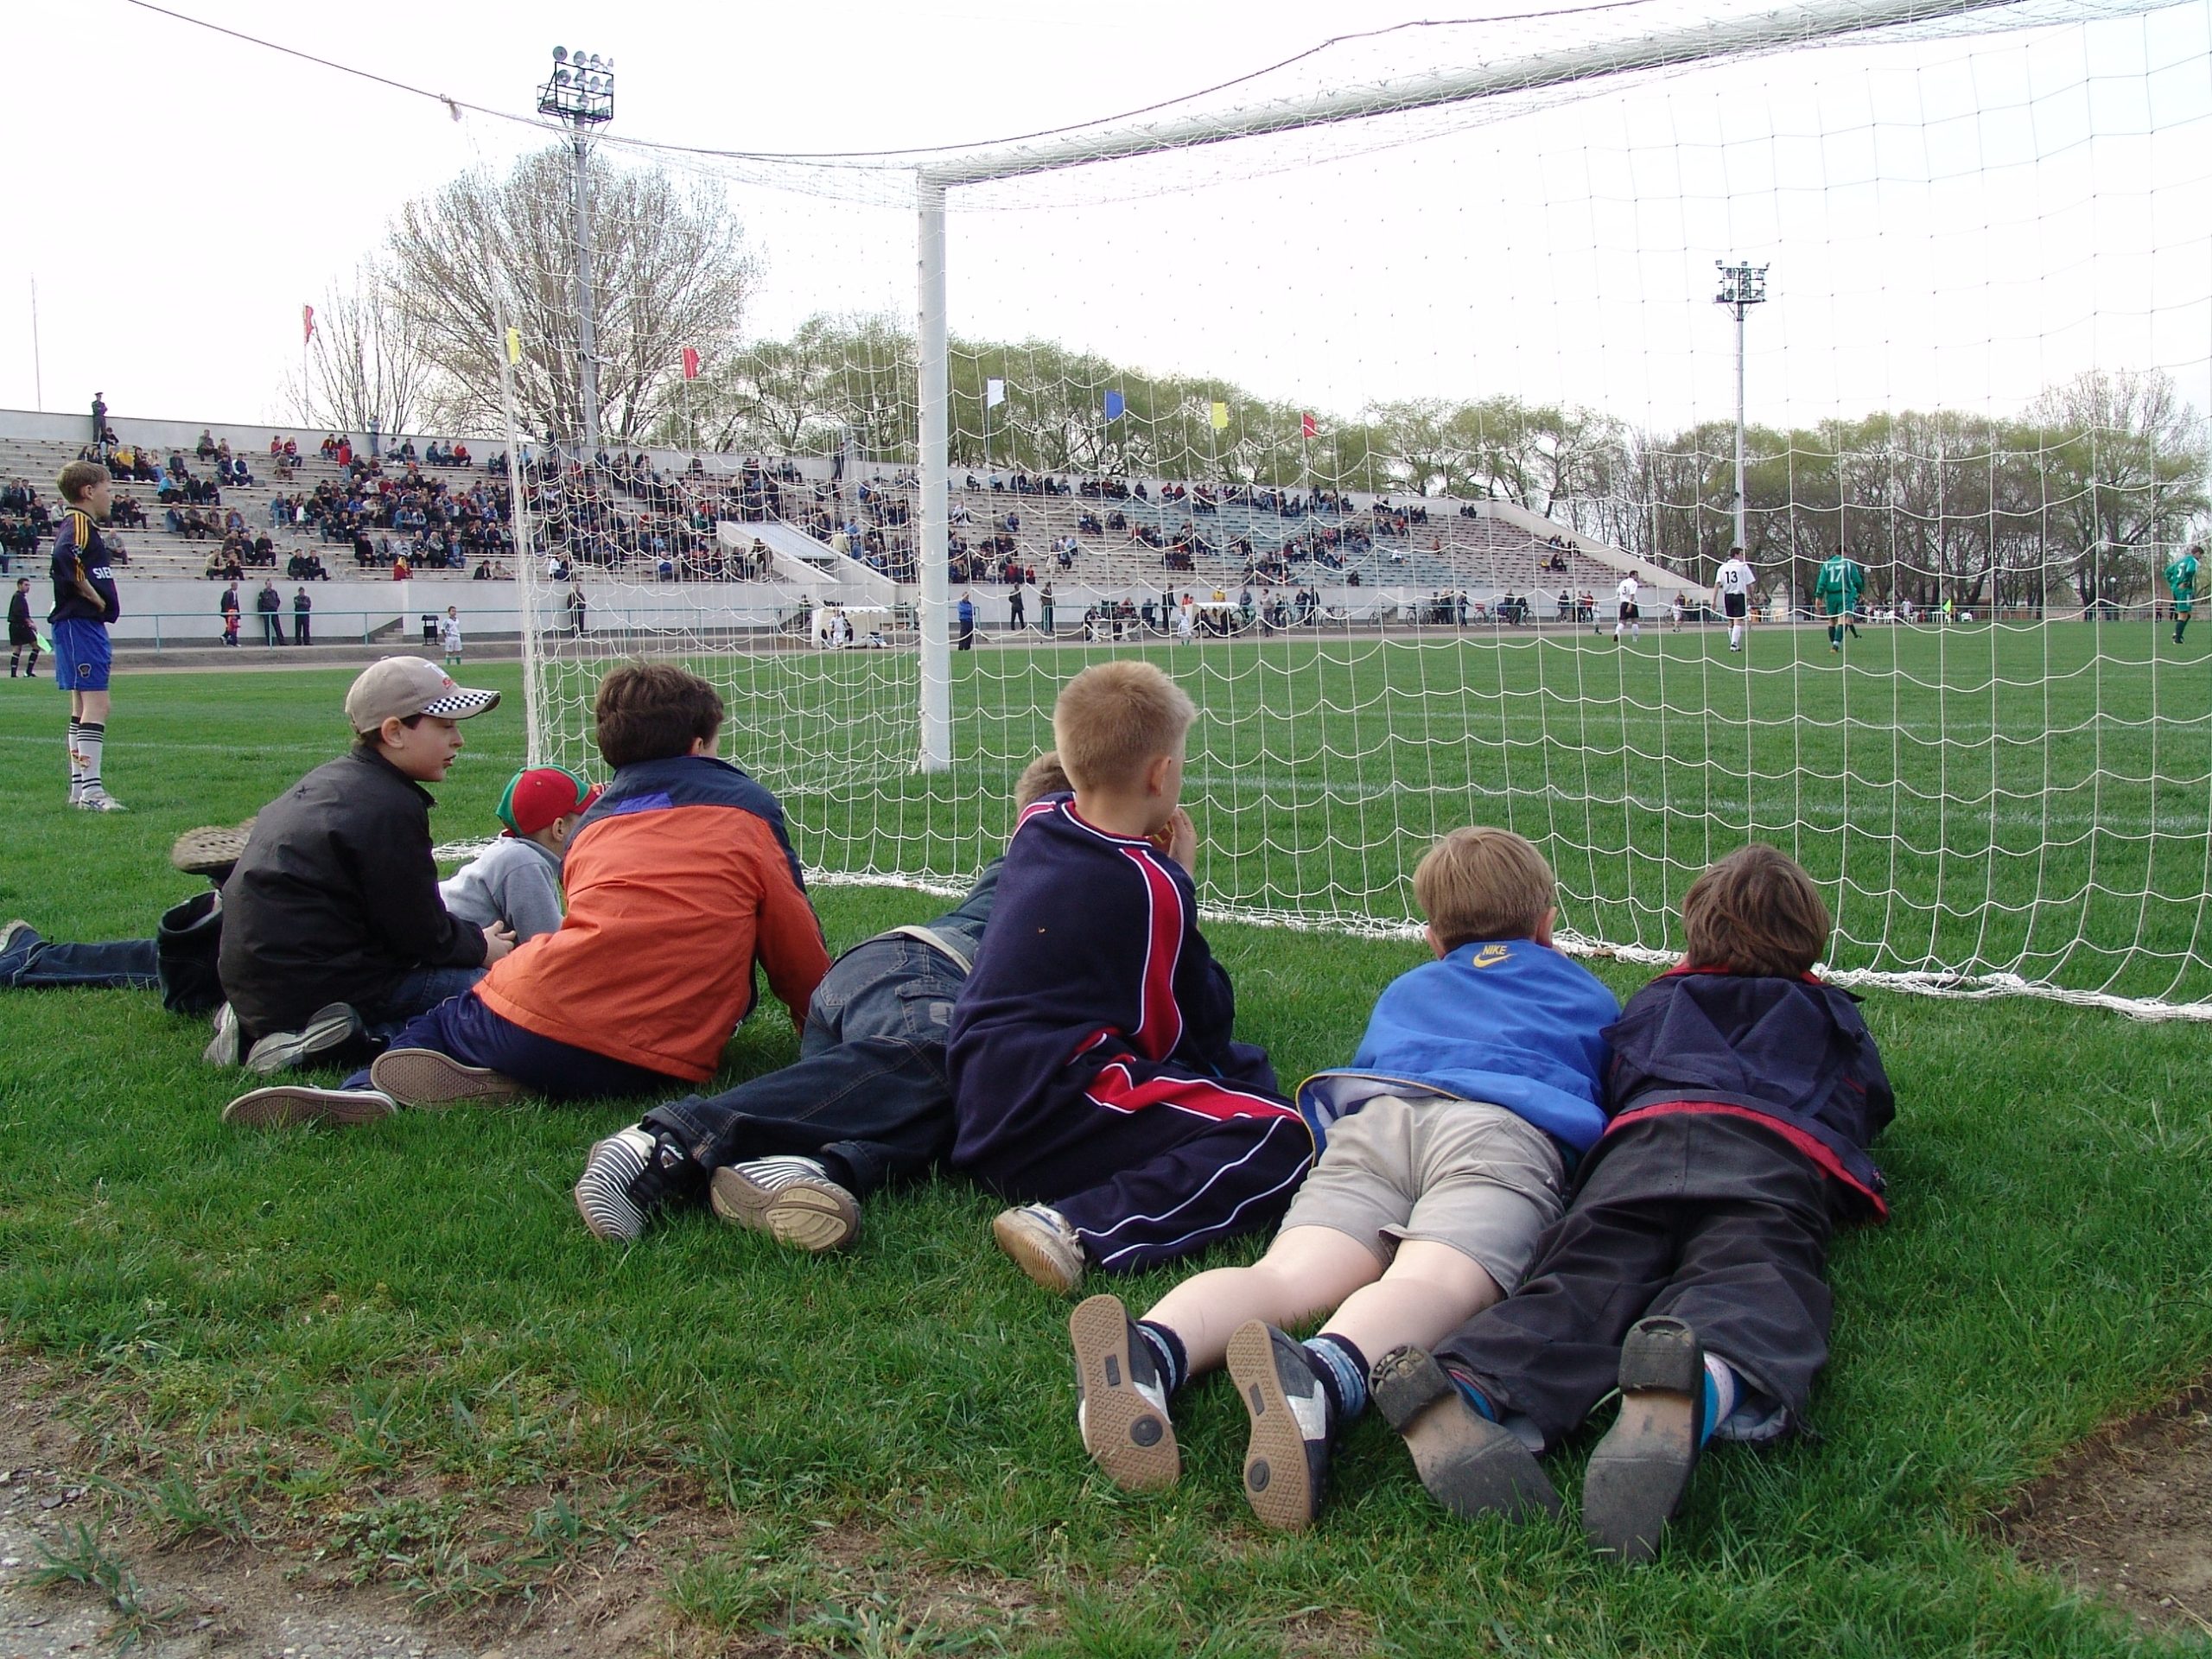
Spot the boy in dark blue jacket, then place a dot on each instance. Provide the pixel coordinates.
(1479, 1076)
(1095, 1083)
(1690, 1269)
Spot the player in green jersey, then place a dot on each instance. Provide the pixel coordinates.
(2181, 581)
(1841, 581)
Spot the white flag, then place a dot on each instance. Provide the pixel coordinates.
(994, 393)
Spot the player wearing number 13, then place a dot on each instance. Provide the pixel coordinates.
(1841, 581)
(2181, 581)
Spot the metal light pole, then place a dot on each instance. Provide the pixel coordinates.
(1742, 287)
(581, 91)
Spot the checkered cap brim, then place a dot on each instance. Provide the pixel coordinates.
(460, 702)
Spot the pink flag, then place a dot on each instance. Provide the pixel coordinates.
(690, 364)
(1306, 427)
(307, 324)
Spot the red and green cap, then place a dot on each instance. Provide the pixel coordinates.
(538, 795)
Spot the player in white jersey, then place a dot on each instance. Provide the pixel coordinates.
(1629, 618)
(1734, 582)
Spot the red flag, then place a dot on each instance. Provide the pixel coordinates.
(1306, 427)
(690, 364)
(307, 324)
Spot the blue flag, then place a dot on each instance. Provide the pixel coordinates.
(1114, 405)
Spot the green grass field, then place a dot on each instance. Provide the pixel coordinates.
(397, 1348)
(2031, 801)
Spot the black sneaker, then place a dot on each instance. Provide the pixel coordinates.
(1469, 1464)
(331, 1029)
(1641, 1470)
(629, 1178)
(1121, 1406)
(1286, 1459)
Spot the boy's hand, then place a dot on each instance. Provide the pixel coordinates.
(499, 940)
(1178, 839)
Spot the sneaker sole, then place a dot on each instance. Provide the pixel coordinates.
(289, 1103)
(1640, 1470)
(813, 1216)
(286, 1049)
(1469, 1464)
(1126, 1437)
(1277, 1483)
(211, 851)
(425, 1079)
(1032, 1256)
(601, 1200)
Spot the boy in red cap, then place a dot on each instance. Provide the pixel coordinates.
(517, 879)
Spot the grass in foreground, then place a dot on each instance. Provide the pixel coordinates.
(399, 1345)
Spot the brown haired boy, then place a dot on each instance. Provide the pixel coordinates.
(1092, 1064)
(679, 880)
(792, 1154)
(1689, 1270)
(84, 603)
(1480, 1073)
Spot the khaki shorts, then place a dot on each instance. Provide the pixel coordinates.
(1460, 1173)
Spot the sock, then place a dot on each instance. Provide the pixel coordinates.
(1171, 1362)
(76, 761)
(90, 736)
(1735, 637)
(1474, 1397)
(2180, 628)
(1636, 631)
(1342, 1370)
(1719, 1393)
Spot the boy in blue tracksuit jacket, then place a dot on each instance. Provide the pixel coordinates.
(1095, 1083)
(1689, 1271)
(1479, 1078)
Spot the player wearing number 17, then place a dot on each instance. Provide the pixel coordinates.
(1841, 581)
(2181, 581)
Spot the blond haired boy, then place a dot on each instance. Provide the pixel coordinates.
(1481, 1072)
(1095, 1081)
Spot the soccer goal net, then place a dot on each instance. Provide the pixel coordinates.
(1406, 399)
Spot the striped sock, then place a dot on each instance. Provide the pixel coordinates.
(1476, 1399)
(90, 736)
(76, 762)
(1719, 1393)
(1342, 1370)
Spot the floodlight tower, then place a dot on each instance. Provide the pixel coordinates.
(1742, 287)
(581, 91)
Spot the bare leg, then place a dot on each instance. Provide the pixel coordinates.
(1306, 1271)
(1429, 1291)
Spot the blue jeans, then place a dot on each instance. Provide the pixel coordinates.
(33, 963)
(867, 1095)
(465, 1027)
(414, 996)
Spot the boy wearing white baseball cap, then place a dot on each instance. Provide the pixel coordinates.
(333, 932)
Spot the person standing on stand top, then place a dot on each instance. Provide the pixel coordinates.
(21, 633)
(84, 603)
(99, 419)
(449, 633)
(2181, 581)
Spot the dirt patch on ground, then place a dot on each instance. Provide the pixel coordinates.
(2128, 1516)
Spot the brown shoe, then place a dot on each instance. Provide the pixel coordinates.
(291, 1102)
(1121, 1407)
(1639, 1472)
(427, 1079)
(791, 1200)
(210, 851)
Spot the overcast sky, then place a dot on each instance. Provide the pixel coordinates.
(1952, 223)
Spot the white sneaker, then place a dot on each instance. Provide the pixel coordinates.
(227, 1046)
(1043, 1245)
(100, 801)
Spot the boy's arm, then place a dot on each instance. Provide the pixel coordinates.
(787, 935)
(528, 898)
(399, 878)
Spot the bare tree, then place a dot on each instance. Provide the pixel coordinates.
(670, 271)
(366, 366)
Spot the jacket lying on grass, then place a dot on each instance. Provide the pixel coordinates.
(679, 880)
(1792, 1054)
(335, 898)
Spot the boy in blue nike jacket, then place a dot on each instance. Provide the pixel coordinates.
(1447, 1138)
(1690, 1269)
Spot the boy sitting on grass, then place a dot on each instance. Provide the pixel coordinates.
(1091, 1060)
(792, 1154)
(680, 879)
(334, 933)
(517, 879)
(1689, 1269)
(1443, 1165)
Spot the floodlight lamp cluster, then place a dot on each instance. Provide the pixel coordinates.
(580, 88)
(1740, 284)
